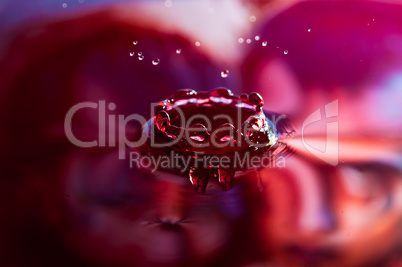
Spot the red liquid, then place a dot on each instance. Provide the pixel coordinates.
(216, 131)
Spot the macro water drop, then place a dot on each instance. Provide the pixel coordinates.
(224, 73)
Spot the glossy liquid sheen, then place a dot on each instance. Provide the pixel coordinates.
(213, 130)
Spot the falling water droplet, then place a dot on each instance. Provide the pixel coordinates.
(178, 51)
(241, 40)
(132, 54)
(257, 38)
(140, 57)
(197, 43)
(199, 179)
(224, 73)
(309, 30)
(135, 42)
(285, 52)
(253, 18)
(264, 43)
(225, 178)
(155, 61)
(248, 41)
(64, 5)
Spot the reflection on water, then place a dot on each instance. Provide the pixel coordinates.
(333, 68)
(125, 216)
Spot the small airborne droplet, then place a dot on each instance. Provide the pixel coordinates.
(135, 42)
(253, 18)
(139, 53)
(241, 40)
(155, 61)
(309, 30)
(248, 41)
(132, 54)
(264, 43)
(257, 38)
(140, 57)
(178, 51)
(285, 52)
(197, 43)
(224, 73)
(64, 5)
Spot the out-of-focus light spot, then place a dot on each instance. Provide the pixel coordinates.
(390, 98)
(168, 3)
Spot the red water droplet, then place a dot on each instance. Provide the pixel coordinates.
(221, 92)
(162, 120)
(219, 139)
(198, 132)
(225, 178)
(244, 97)
(184, 93)
(199, 178)
(256, 99)
(254, 131)
(225, 133)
